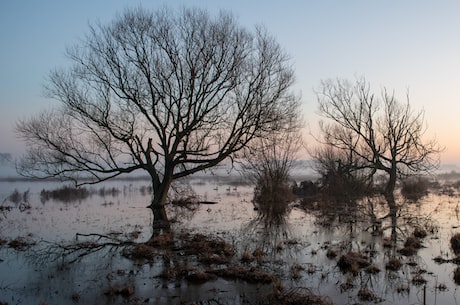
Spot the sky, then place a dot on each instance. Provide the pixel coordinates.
(410, 46)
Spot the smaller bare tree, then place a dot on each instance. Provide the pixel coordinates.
(383, 134)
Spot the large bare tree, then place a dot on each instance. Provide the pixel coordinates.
(167, 92)
(382, 134)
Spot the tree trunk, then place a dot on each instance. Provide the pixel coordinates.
(390, 188)
(160, 217)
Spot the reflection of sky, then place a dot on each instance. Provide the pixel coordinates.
(311, 234)
(400, 45)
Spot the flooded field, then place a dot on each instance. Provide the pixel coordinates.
(99, 247)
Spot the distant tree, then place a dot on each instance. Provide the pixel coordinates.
(383, 134)
(165, 92)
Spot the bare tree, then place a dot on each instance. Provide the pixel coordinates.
(170, 93)
(383, 134)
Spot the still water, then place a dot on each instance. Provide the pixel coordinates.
(302, 251)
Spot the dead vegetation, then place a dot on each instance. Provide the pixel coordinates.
(365, 294)
(414, 188)
(124, 291)
(248, 274)
(21, 243)
(393, 264)
(139, 252)
(296, 296)
(353, 262)
(209, 250)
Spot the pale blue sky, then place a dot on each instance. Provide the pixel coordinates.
(411, 44)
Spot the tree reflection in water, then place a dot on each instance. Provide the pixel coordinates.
(271, 226)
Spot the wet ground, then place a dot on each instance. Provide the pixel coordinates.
(85, 249)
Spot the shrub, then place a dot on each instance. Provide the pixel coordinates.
(414, 188)
(393, 264)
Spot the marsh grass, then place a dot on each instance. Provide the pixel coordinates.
(353, 262)
(393, 264)
(365, 294)
(248, 274)
(65, 194)
(69, 194)
(296, 296)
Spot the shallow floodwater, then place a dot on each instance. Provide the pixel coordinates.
(302, 251)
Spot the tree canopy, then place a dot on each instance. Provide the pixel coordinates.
(378, 133)
(167, 92)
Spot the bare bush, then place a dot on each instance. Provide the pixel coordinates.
(414, 188)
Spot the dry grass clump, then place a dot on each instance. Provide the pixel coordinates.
(209, 250)
(347, 285)
(259, 254)
(296, 296)
(393, 264)
(296, 271)
(331, 254)
(372, 269)
(455, 243)
(365, 294)
(162, 241)
(352, 262)
(413, 242)
(246, 257)
(248, 274)
(418, 280)
(20, 243)
(139, 251)
(200, 276)
(420, 232)
(411, 245)
(125, 291)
